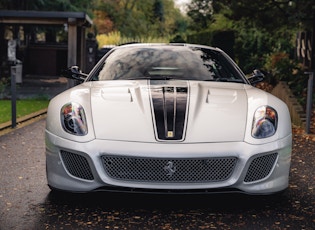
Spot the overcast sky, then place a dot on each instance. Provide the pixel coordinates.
(181, 4)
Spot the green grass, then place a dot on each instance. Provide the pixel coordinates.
(23, 107)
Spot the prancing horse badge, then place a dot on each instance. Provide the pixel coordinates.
(170, 168)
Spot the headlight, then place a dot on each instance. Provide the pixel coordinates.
(265, 122)
(73, 119)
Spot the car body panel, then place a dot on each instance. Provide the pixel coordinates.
(124, 102)
(58, 175)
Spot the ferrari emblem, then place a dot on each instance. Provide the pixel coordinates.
(170, 168)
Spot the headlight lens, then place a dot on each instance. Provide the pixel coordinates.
(265, 122)
(73, 119)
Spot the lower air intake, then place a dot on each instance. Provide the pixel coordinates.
(260, 167)
(157, 170)
(77, 165)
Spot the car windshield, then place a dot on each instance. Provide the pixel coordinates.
(166, 63)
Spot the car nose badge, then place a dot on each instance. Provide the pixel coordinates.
(170, 168)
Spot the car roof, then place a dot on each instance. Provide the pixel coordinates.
(168, 44)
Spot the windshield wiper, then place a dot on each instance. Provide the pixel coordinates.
(148, 78)
(162, 77)
(229, 80)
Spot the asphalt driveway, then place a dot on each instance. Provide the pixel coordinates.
(26, 201)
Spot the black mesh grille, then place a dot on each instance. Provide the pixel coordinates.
(169, 170)
(260, 167)
(77, 165)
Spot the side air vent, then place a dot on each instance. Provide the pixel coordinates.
(260, 167)
(77, 165)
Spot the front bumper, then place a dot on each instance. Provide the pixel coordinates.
(80, 167)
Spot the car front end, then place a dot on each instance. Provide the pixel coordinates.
(110, 136)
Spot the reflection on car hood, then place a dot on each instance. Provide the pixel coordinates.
(149, 111)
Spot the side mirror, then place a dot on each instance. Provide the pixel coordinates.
(256, 77)
(75, 73)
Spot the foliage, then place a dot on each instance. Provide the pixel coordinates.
(282, 68)
(48, 5)
(261, 27)
(265, 35)
(223, 39)
(251, 45)
(23, 107)
(221, 22)
(201, 13)
(4, 82)
(103, 23)
(112, 38)
(139, 19)
(132, 19)
(269, 14)
(115, 38)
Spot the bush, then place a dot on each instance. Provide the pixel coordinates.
(4, 83)
(282, 68)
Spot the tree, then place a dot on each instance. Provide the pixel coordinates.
(141, 18)
(158, 9)
(48, 5)
(201, 12)
(269, 14)
(131, 18)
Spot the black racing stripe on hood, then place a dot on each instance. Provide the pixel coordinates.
(169, 104)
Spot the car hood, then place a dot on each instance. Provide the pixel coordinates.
(150, 111)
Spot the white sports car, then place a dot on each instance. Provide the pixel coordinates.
(167, 118)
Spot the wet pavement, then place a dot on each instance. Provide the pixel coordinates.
(26, 202)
